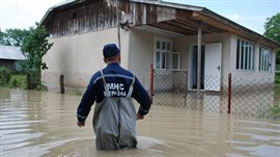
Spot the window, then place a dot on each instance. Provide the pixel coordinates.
(164, 58)
(265, 59)
(162, 54)
(245, 55)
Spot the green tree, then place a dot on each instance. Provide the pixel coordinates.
(3, 39)
(2, 35)
(34, 46)
(13, 37)
(272, 31)
(16, 36)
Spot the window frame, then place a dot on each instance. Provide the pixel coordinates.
(245, 60)
(179, 61)
(270, 59)
(162, 51)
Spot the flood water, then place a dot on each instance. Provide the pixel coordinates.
(44, 124)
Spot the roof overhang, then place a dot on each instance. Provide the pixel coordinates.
(11, 53)
(186, 22)
(212, 18)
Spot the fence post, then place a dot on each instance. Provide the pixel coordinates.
(62, 91)
(29, 82)
(151, 82)
(229, 93)
(186, 88)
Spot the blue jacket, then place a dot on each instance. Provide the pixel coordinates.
(118, 80)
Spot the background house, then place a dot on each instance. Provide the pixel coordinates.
(164, 34)
(10, 58)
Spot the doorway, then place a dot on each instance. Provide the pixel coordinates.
(193, 69)
(210, 67)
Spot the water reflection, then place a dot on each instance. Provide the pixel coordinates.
(5, 94)
(43, 124)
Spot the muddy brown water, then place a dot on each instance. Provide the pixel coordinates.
(44, 124)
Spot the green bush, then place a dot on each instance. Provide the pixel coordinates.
(274, 111)
(41, 87)
(5, 76)
(18, 81)
(277, 92)
(277, 67)
(277, 78)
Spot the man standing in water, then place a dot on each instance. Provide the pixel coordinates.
(115, 116)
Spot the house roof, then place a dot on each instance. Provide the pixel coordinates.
(11, 53)
(71, 3)
(199, 13)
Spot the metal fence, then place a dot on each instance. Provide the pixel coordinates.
(232, 94)
(170, 87)
(253, 96)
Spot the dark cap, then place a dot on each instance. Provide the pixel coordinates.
(110, 50)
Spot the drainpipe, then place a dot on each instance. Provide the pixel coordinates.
(118, 22)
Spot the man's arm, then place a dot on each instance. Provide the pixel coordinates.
(86, 103)
(142, 97)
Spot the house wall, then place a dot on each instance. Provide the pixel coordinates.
(141, 53)
(184, 45)
(8, 64)
(15, 65)
(255, 75)
(78, 57)
(229, 41)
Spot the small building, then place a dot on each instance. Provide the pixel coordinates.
(10, 58)
(164, 34)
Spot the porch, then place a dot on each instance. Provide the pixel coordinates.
(169, 51)
(178, 61)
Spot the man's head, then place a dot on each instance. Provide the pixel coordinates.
(111, 53)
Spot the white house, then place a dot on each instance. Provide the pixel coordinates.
(153, 32)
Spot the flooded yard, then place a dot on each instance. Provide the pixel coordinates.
(44, 124)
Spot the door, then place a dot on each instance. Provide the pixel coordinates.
(212, 78)
(193, 68)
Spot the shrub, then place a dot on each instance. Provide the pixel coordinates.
(277, 92)
(277, 77)
(5, 76)
(18, 81)
(41, 87)
(277, 67)
(274, 111)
